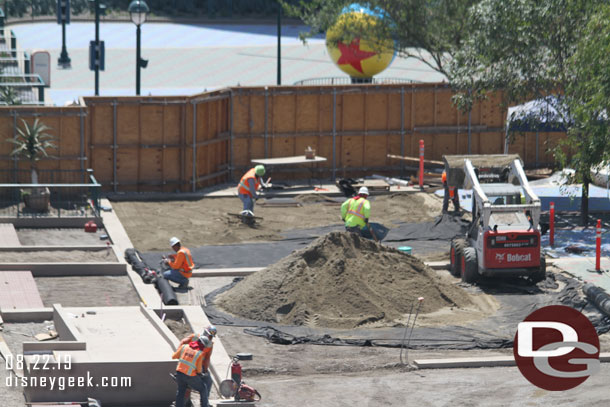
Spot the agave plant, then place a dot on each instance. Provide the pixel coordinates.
(32, 143)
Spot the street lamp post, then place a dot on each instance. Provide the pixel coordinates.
(279, 43)
(138, 11)
(63, 18)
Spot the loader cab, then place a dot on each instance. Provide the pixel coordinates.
(502, 194)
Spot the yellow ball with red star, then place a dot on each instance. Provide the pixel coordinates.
(354, 42)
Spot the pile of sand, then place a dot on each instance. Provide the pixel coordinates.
(341, 281)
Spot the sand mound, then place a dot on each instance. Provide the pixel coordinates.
(341, 281)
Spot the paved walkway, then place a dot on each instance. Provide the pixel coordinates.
(186, 59)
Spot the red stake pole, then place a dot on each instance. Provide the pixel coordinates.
(598, 245)
(421, 164)
(552, 225)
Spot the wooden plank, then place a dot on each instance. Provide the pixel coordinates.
(19, 291)
(8, 235)
(415, 159)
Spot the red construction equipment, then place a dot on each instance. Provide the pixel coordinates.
(598, 245)
(552, 225)
(421, 164)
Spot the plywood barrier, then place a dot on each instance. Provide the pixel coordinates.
(187, 143)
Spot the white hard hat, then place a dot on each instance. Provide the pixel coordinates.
(205, 341)
(363, 191)
(174, 241)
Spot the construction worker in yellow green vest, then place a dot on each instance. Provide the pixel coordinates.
(356, 212)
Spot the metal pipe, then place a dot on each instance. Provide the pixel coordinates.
(194, 181)
(231, 135)
(138, 36)
(469, 130)
(537, 151)
(265, 135)
(402, 129)
(82, 144)
(97, 48)
(115, 145)
(279, 44)
(334, 133)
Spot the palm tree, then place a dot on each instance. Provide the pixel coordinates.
(32, 143)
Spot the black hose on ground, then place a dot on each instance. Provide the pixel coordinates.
(599, 297)
(167, 292)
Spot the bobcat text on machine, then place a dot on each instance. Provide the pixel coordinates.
(503, 237)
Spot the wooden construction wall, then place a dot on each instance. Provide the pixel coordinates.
(159, 144)
(186, 143)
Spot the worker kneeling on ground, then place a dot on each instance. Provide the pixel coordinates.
(249, 183)
(356, 212)
(189, 372)
(209, 332)
(181, 264)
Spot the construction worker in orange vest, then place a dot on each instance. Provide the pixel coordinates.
(190, 370)
(249, 183)
(356, 211)
(181, 264)
(450, 193)
(209, 332)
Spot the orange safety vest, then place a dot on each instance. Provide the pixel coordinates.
(444, 177)
(244, 187)
(186, 267)
(189, 358)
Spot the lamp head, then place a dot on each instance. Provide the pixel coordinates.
(138, 11)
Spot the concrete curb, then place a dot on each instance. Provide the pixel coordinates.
(51, 222)
(51, 248)
(27, 315)
(67, 269)
(489, 361)
(228, 272)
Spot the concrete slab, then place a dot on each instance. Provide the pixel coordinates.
(124, 343)
(8, 235)
(19, 291)
(584, 269)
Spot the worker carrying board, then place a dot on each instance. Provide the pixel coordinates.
(356, 212)
(190, 371)
(247, 188)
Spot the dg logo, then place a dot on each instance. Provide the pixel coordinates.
(556, 348)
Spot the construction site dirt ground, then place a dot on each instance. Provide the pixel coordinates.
(206, 221)
(333, 376)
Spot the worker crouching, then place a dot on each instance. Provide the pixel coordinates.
(181, 264)
(189, 372)
(248, 185)
(356, 212)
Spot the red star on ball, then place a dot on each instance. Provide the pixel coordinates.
(352, 54)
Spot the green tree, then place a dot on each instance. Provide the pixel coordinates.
(589, 94)
(428, 30)
(523, 49)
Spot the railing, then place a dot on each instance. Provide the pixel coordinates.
(63, 198)
(343, 80)
(24, 85)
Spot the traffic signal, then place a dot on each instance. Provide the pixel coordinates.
(63, 11)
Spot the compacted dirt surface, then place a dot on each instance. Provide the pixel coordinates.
(59, 256)
(206, 221)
